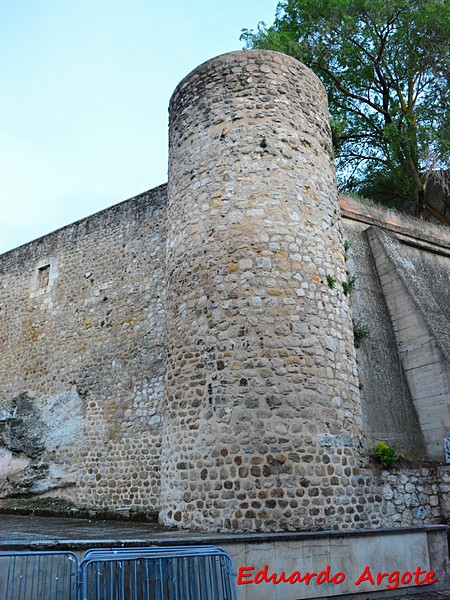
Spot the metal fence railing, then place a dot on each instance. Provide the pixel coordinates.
(152, 573)
(38, 576)
(160, 573)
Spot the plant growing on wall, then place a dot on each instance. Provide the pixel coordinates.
(387, 455)
(360, 331)
(349, 284)
(331, 281)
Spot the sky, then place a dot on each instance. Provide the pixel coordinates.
(85, 86)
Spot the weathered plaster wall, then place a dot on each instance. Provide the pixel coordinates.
(82, 358)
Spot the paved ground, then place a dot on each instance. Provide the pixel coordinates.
(425, 596)
(433, 596)
(45, 533)
(21, 531)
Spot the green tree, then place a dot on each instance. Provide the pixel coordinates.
(385, 65)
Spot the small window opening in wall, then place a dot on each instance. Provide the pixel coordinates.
(43, 276)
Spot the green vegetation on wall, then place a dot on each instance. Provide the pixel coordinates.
(385, 67)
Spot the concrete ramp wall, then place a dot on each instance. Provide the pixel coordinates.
(419, 317)
(402, 296)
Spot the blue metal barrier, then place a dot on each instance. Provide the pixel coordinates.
(167, 573)
(38, 576)
(152, 573)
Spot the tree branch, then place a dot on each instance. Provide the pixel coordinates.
(341, 87)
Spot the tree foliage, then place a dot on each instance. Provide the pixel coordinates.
(385, 65)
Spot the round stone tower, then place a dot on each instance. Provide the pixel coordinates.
(263, 416)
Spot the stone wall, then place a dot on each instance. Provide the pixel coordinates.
(412, 496)
(82, 359)
(204, 332)
(262, 398)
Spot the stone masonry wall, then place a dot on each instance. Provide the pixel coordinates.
(82, 359)
(412, 496)
(371, 498)
(203, 333)
(263, 416)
